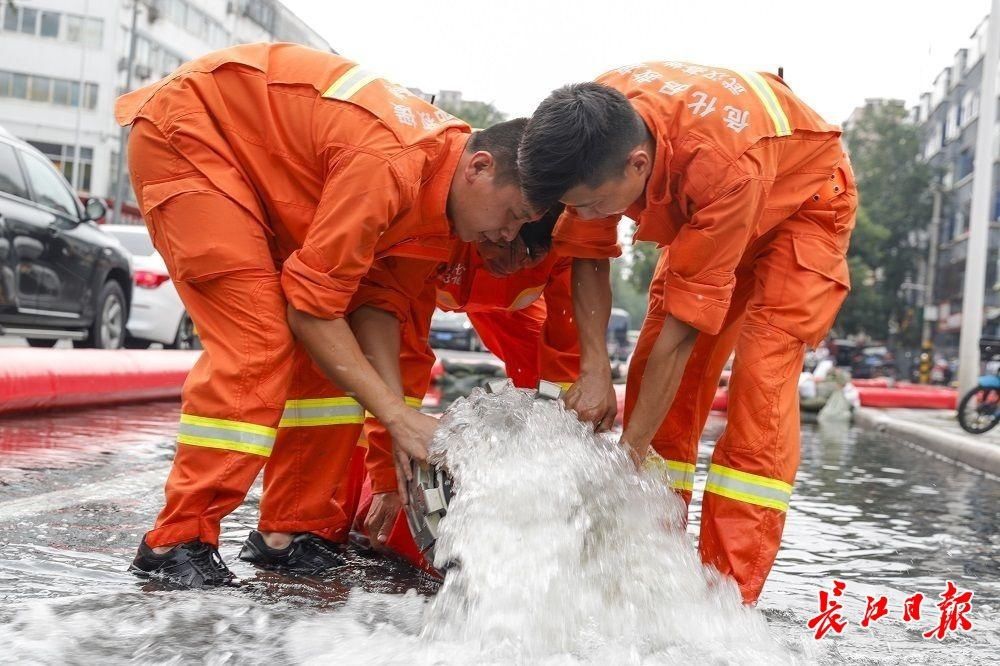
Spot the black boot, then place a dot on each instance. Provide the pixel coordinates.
(307, 553)
(193, 564)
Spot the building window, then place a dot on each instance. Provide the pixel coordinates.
(29, 21)
(195, 21)
(970, 107)
(44, 89)
(260, 12)
(52, 25)
(64, 159)
(964, 165)
(155, 58)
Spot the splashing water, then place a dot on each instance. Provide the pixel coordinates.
(564, 555)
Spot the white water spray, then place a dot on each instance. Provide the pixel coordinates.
(564, 555)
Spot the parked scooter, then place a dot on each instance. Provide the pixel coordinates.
(979, 409)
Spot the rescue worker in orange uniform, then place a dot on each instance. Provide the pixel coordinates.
(751, 197)
(517, 296)
(271, 177)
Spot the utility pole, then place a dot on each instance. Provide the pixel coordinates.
(930, 308)
(77, 150)
(122, 133)
(979, 222)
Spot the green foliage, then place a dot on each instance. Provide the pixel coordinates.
(625, 293)
(894, 184)
(478, 114)
(644, 258)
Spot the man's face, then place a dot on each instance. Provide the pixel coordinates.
(486, 210)
(503, 259)
(615, 195)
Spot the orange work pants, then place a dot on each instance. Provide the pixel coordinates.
(254, 400)
(789, 288)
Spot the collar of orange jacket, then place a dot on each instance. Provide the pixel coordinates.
(657, 191)
(434, 195)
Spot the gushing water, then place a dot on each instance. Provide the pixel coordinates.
(561, 554)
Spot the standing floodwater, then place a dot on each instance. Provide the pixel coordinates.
(77, 490)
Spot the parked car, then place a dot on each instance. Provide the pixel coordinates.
(617, 335)
(157, 312)
(453, 330)
(872, 362)
(60, 275)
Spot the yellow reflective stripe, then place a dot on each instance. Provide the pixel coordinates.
(321, 402)
(410, 401)
(754, 479)
(321, 412)
(223, 424)
(349, 83)
(227, 445)
(748, 488)
(681, 474)
(227, 435)
(766, 95)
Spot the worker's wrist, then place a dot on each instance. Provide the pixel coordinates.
(394, 414)
(595, 367)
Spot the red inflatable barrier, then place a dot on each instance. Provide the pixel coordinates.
(721, 401)
(32, 379)
(908, 396)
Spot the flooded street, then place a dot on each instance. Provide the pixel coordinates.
(78, 489)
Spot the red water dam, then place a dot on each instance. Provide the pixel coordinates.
(34, 379)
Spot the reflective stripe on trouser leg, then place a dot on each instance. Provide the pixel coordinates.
(321, 411)
(224, 434)
(411, 401)
(311, 465)
(755, 460)
(749, 488)
(230, 400)
(679, 474)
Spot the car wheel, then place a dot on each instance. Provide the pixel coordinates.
(111, 314)
(42, 342)
(186, 337)
(136, 343)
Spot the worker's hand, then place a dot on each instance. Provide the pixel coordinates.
(411, 434)
(381, 517)
(593, 398)
(636, 451)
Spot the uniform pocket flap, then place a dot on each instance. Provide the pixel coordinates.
(154, 194)
(817, 254)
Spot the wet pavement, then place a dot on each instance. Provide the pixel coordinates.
(77, 490)
(943, 420)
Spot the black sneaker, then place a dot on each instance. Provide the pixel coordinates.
(193, 564)
(307, 553)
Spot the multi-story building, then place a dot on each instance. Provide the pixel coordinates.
(63, 63)
(949, 118)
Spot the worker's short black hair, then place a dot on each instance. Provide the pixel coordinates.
(537, 236)
(580, 134)
(501, 141)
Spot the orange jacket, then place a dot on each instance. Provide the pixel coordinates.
(736, 153)
(540, 296)
(338, 166)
